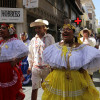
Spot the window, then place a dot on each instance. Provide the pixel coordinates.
(8, 3)
(90, 15)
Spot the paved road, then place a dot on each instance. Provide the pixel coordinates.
(27, 89)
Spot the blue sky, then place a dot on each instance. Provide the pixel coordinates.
(97, 9)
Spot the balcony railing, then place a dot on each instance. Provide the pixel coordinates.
(8, 3)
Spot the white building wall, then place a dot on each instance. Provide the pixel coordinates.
(91, 9)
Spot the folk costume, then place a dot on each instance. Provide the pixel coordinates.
(10, 83)
(65, 82)
(69, 79)
(24, 63)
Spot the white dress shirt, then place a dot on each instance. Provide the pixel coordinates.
(36, 47)
(90, 41)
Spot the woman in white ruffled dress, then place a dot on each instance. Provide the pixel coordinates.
(12, 51)
(69, 79)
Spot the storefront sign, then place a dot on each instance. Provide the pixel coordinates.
(11, 15)
(30, 3)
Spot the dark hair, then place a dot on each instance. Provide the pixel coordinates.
(76, 40)
(74, 30)
(9, 30)
(5, 24)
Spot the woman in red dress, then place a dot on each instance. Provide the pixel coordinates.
(12, 51)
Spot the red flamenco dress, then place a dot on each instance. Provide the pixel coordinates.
(10, 82)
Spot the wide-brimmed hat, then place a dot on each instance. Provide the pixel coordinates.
(39, 22)
(81, 32)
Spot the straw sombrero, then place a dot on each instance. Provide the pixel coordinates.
(81, 32)
(39, 22)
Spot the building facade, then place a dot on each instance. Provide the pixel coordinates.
(90, 14)
(55, 11)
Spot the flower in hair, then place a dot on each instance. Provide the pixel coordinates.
(68, 26)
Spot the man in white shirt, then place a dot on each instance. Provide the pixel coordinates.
(86, 39)
(38, 43)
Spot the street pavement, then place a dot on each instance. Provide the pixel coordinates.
(27, 89)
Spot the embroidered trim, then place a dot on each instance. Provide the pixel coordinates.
(8, 84)
(74, 49)
(67, 93)
(11, 39)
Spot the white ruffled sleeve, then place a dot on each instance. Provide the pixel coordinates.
(52, 56)
(86, 57)
(20, 49)
(16, 49)
(91, 59)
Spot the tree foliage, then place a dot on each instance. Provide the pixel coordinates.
(98, 30)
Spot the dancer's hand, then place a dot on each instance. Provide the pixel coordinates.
(29, 71)
(14, 62)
